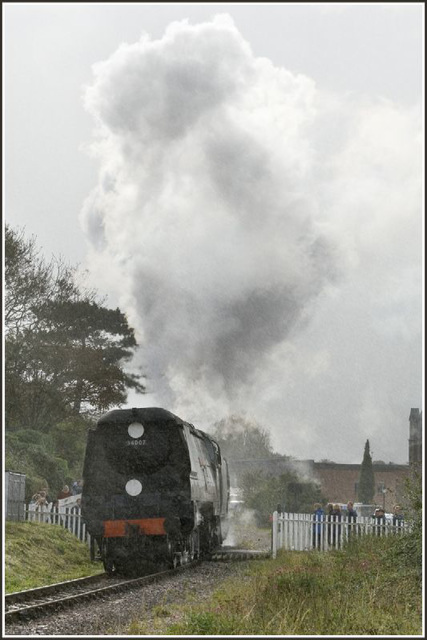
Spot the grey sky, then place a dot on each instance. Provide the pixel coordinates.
(348, 366)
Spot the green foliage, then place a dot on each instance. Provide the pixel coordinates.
(33, 453)
(366, 487)
(69, 441)
(52, 458)
(240, 438)
(27, 278)
(89, 344)
(407, 550)
(264, 492)
(33, 396)
(38, 554)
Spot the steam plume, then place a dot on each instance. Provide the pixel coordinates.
(214, 219)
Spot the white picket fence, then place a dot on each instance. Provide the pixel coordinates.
(65, 516)
(299, 531)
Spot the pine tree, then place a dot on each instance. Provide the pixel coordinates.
(366, 487)
(65, 352)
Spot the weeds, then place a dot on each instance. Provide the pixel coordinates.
(353, 591)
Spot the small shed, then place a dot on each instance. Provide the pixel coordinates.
(15, 495)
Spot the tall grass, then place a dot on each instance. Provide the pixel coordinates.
(355, 591)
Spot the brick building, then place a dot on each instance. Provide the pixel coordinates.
(338, 482)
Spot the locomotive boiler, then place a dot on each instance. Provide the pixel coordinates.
(155, 490)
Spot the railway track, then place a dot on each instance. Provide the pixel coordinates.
(24, 605)
(34, 602)
(228, 554)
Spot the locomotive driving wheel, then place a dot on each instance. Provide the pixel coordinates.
(194, 545)
(109, 567)
(173, 555)
(107, 561)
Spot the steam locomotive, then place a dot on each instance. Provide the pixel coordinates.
(155, 490)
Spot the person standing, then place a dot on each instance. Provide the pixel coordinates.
(42, 506)
(64, 493)
(329, 509)
(318, 518)
(351, 518)
(77, 487)
(379, 521)
(336, 517)
(397, 516)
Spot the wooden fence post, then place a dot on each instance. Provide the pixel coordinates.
(274, 541)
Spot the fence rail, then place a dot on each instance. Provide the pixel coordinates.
(300, 532)
(68, 517)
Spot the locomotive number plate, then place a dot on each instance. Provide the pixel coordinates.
(135, 443)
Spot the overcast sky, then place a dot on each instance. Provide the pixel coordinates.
(246, 183)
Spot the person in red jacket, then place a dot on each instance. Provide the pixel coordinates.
(65, 493)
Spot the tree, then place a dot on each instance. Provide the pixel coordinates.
(264, 492)
(33, 453)
(88, 345)
(239, 438)
(30, 280)
(366, 487)
(31, 399)
(65, 351)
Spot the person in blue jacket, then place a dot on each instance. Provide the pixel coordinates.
(351, 518)
(318, 518)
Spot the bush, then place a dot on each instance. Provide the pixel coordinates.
(407, 550)
(31, 452)
(264, 492)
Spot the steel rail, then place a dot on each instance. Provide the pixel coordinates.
(33, 610)
(29, 594)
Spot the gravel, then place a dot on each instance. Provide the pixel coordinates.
(150, 608)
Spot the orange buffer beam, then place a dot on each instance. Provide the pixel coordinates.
(147, 526)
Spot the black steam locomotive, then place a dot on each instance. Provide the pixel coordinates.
(155, 490)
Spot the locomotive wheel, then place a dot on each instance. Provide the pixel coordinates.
(194, 545)
(173, 556)
(107, 560)
(206, 541)
(109, 566)
(216, 534)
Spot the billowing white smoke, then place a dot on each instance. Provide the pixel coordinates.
(223, 207)
(242, 530)
(202, 205)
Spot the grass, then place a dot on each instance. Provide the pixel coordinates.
(38, 554)
(356, 591)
